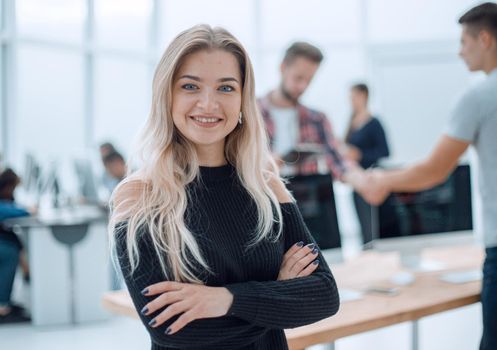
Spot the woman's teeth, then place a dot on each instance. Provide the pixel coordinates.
(206, 120)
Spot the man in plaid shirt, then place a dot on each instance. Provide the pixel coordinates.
(290, 124)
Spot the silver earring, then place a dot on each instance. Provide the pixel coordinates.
(240, 118)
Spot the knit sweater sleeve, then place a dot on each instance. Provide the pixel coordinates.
(289, 303)
(201, 332)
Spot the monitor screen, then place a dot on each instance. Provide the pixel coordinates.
(316, 202)
(87, 185)
(443, 208)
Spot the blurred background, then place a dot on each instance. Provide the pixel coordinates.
(77, 73)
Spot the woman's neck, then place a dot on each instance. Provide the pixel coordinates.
(211, 155)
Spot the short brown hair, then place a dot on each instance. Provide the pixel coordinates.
(111, 157)
(8, 182)
(481, 17)
(303, 49)
(361, 87)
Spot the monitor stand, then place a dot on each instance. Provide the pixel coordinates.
(413, 262)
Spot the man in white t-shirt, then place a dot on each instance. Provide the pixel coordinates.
(473, 122)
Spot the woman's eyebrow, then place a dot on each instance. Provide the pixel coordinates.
(192, 77)
(222, 80)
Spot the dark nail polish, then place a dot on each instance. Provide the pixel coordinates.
(168, 331)
(300, 244)
(315, 251)
(152, 323)
(316, 262)
(145, 291)
(144, 310)
(311, 246)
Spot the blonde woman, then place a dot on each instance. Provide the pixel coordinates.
(213, 249)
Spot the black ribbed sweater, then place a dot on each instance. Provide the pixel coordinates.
(222, 216)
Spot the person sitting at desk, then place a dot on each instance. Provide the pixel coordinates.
(12, 252)
(106, 148)
(108, 181)
(115, 169)
(366, 144)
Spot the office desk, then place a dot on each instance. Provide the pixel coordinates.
(426, 296)
(68, 260)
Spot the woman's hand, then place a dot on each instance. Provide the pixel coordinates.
(192, 301)
(299, 261)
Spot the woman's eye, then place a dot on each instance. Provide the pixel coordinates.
(226, 88)
(189, 87)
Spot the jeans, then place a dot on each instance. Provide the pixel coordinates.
(489, 301)
(9, 258)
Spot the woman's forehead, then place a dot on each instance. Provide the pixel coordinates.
(210, 65)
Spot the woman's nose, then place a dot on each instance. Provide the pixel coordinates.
(207, 101)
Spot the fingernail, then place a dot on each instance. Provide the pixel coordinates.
(153, 322)
(144, 310)
(315, 251)
(168, 331)
(316, 262)
(145, 291)
(300, 244)
(311, 246)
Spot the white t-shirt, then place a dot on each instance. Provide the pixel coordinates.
(286, 129)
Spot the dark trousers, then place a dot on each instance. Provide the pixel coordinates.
(489, 301)
(363, 210)
(9, 258)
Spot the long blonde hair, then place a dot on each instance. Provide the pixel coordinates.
(168, 163)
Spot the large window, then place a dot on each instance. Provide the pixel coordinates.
(122, 98)
(78, 72)
(236, 16)
(123, 24)
(414, 21)
(57, 20)
(49, 113)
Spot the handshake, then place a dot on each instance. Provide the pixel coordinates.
(370, 184)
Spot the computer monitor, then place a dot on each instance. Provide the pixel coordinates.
(411, 222)
(86, 179)
(316, 201)
(31, 179)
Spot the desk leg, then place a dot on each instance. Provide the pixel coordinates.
(72, 283)
(415, 335)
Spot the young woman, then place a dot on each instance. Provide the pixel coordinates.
(213, 249)
(366, 144)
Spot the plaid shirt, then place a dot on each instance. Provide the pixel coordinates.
(314, 128)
